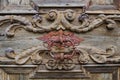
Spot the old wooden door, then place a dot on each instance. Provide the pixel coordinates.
(59, 39)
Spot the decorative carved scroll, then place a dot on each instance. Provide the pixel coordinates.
(60, 46)
(63, 50)
(98, 55)
(86, 54)
(59, 20)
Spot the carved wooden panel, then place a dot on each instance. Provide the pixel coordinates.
(59, 41)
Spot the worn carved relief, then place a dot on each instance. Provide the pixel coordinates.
(59, 20)
(61, 48)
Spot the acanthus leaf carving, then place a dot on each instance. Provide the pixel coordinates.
(63, 50)
(84, 54)
(59, 20)
(98, 55)
(62, 47)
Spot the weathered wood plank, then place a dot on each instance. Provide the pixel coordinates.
(94, 76)
(102, 76)
(61, 3)
(103, 12)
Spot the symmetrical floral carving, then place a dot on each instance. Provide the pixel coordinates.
(83, 55)
(66, 64)
(63, 51)
(61, 48)
(59, 20)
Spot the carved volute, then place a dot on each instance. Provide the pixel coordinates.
(60, 39)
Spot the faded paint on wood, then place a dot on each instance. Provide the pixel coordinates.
(3, 75)
(102, 76)
(102, 2)
(18, 2)
(16, 7)
(4, 3)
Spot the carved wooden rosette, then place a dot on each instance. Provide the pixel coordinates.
(61, 50)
